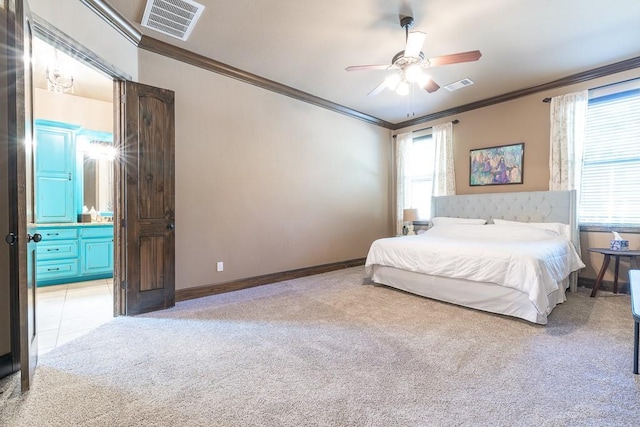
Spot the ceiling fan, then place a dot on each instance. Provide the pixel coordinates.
(413, 65)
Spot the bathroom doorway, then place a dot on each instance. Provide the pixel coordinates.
(74, 113)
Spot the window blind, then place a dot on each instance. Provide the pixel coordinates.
(419, 175)
(610, 189)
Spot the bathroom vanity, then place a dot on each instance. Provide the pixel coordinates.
(73, 170)
(74, 252)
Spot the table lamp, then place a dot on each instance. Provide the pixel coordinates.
(408, 216)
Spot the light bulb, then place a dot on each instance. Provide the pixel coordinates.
(413, 73)
(423, 80)
(392, 81)
(403, 89)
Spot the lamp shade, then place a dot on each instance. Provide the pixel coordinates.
(410, 215)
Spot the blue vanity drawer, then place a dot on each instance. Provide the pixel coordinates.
(91, 232)
(47, 270)
(57, 250)
(58, 234)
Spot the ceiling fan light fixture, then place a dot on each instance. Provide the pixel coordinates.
(412, 64)
(403, 88)
(413, 73)
(392, 81)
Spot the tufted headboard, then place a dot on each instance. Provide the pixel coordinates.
(533, 206)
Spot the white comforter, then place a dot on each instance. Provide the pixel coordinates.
(531, 260)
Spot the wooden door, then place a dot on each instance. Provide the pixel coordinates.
(20, 168)
(147, 202)
(8, 274)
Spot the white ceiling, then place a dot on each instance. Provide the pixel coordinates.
(307, 44)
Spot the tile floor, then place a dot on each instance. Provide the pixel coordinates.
(68, 311)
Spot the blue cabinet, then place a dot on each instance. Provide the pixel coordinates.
(69, 251)
(57, 255)
(74, 252)
(55, 170)
(97, 250)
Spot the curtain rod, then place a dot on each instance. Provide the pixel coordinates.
(614, 84)
(455, 122)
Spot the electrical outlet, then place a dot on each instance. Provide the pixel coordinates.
(220, 266)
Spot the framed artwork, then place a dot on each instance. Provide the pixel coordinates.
(496, 165)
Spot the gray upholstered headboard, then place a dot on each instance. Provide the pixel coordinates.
(533, 206)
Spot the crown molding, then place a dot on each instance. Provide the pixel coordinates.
(183, 55)
(584, 76)
(124, 27)
(113, 18)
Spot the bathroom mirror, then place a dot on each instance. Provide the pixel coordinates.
(96, 154)
(98, 183)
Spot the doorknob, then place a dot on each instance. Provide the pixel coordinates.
(170, 226)
(36, 237)
(11, 239)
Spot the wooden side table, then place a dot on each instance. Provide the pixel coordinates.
(608, 253)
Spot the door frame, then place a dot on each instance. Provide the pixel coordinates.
(51, 35)
(66, 44)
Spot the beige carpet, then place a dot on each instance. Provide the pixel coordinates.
(335, 350)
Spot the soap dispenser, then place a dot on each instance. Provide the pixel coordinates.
(93, 214)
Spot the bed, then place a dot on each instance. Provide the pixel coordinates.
(519, 264)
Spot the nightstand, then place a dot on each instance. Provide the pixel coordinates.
(608, 253)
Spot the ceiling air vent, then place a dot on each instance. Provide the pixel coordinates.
(175, 18)
(459, 84)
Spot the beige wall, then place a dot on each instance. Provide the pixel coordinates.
(88, 113)
(526, 120)
(266, 183)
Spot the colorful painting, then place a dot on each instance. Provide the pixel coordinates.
(496, 165)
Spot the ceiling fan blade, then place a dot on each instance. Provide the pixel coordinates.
(369, 67)
(378, 89)
(431, 86)
(455, 58)
(415, 41)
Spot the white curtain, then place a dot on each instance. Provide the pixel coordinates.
(403, 143)
(444, 180)
(568, 124)
(568, 129)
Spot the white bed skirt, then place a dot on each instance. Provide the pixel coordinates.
(479, 295)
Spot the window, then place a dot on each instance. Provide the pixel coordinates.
(419, 172)
(610, 185)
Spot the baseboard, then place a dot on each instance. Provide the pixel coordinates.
(250, 282)
(623, 287)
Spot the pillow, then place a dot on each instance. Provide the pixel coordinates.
(557, 227)
(441, 220)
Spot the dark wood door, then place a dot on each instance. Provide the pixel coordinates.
(147, 214)
(20, 176)
(9, 302)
